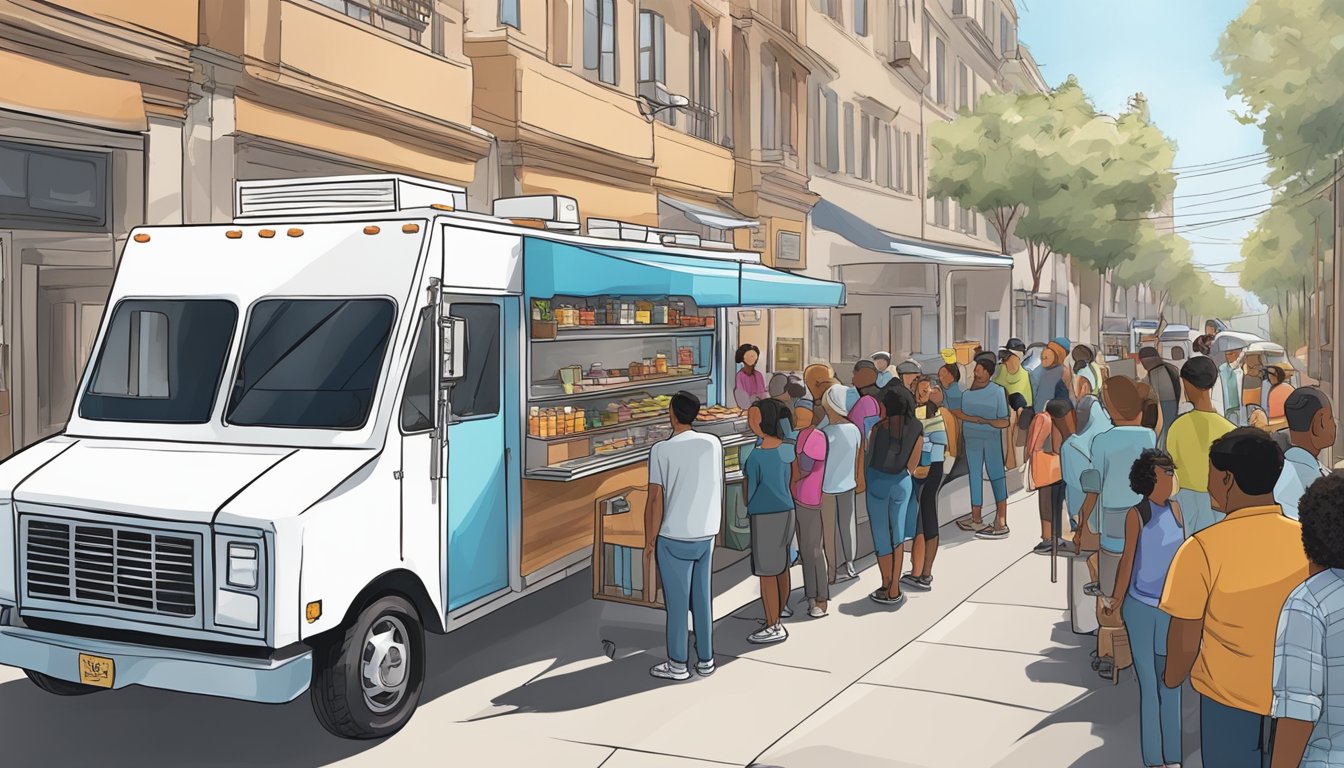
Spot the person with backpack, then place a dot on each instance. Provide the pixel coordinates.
(770, 510)
(928, 481)
(893, 455)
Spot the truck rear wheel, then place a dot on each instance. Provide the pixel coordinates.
(60, 687)
(368, 679)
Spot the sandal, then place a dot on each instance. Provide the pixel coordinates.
(967, 524)
(992, 533)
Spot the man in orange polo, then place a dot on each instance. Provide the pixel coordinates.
(1224, 592)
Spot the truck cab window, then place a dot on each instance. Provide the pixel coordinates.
(477, 394)
(311, 363)
(160, 362)
(417, 403)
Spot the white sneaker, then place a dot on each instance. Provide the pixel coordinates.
(775, 634)
(704, 668)
(670, 670)
(816, 611)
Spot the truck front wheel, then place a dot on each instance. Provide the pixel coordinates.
(368, 679)
(60, 687)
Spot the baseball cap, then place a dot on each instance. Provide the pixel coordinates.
(1015, 345)
(881, 356)
(908, 367)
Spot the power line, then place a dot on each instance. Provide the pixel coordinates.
(1216, 171)
(1224, 161)
(1218, 191)
(1234, 197)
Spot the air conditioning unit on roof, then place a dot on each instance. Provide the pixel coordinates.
(555, 211)
(321, 196)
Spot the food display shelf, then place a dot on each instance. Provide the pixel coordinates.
(602, 462)
(555, 392)
(603, 332)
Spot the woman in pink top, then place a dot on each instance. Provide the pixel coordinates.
(808, 469)
(749, 386)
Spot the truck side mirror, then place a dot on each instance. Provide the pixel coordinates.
(453, 347)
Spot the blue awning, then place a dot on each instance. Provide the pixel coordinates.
(832, 218)
(555, 268)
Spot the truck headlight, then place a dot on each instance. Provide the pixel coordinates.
(242, 565)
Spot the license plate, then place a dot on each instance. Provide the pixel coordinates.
(96, 670)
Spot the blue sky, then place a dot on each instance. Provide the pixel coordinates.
(1164, 49)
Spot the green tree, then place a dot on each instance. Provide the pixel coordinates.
(1163, 261)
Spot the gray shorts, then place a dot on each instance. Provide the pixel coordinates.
(1108, 568)
(771, 536)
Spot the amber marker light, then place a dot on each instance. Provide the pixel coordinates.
(295, 232)
(267, 233)
(234, 234)
(313, 612)
(410, 229)
(142, 238)
(442, 207)
(371, 230)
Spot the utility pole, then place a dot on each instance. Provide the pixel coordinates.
(1313, 332)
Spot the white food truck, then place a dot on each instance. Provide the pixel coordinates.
(299, 442)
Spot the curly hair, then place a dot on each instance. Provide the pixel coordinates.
(1323, 522)
(1143, 475)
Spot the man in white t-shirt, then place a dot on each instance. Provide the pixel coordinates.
(682, 518)
(839, 484)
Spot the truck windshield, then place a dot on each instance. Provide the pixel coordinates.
(310, 363)
(160, 362)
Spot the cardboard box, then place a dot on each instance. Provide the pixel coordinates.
(559, 451)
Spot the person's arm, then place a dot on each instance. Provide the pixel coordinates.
(1176, 510)
(1126, 567)
(1185, 598)
(741, 396)
(1001, 418)
(1299, 691)
(653, 518)
(915, 455)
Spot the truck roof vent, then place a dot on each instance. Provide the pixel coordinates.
(383, 193)
(553, 211)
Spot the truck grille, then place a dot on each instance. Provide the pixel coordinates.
(128, 568)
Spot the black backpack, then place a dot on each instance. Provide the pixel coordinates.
(888, 453)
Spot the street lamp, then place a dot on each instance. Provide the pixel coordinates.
(649, 107)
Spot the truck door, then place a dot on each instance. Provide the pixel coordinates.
(478, 456)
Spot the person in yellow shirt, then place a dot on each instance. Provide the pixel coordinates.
(1224, 591)
(1188, 440)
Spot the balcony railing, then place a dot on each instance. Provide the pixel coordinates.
(702, 122)
(407, 19)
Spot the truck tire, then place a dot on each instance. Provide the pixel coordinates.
(367, 680)
(60, 687)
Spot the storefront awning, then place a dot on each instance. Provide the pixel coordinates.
(832, 218)
(555, 268)
(709, 217)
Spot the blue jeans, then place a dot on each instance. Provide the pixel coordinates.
(1159, 706)
(1233, 738)
(985, 456)
(888, 507)
(685, 568)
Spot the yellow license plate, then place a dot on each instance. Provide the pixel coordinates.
(96, 671)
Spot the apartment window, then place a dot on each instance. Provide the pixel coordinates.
(959, 310)
(941, 71)
(959, 7)
(560, 20)
(786, 21)
(849, 139)
(814, 119)
(599, 39)
(963, 86)
(652, 52)
(407, 19)
(832, 131)
(909, 167)
(884, 158)
(924, 51)
(1005, 33)
(508, 13)
(788, 121)
(831, 8)
(865, 154)
(987, 20)
(700, 114)
(897, 177)
(851, 337)
(769, 103)
(941, 216)
(861, 18)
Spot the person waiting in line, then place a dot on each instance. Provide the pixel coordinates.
(1277, 398)
(1106, 481)
(1085, 383)
(1202, 345)
(817, 378)
(1085, 360)
(984, 416)
(1050, 379)
(1165, 379)
(1224, 591)
(893, 455)
(1231, 376)
(1015, 436)
(1308, 657)
(770, 512)
(749, 384)
(1311, 429)
(1088, 420)
(1189, 439)
(1011, 375)
(928, 480)
(862, 399)
(1153, 533)
(882, 361)
(844, 462)
(778, 389)
(808, 472)
(1044, 474)
(948, 399)
(1152, 409)
(909, 370)
(681, 520)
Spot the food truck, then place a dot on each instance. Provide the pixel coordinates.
(354, 415)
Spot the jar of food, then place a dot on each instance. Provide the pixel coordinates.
(534, 421)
